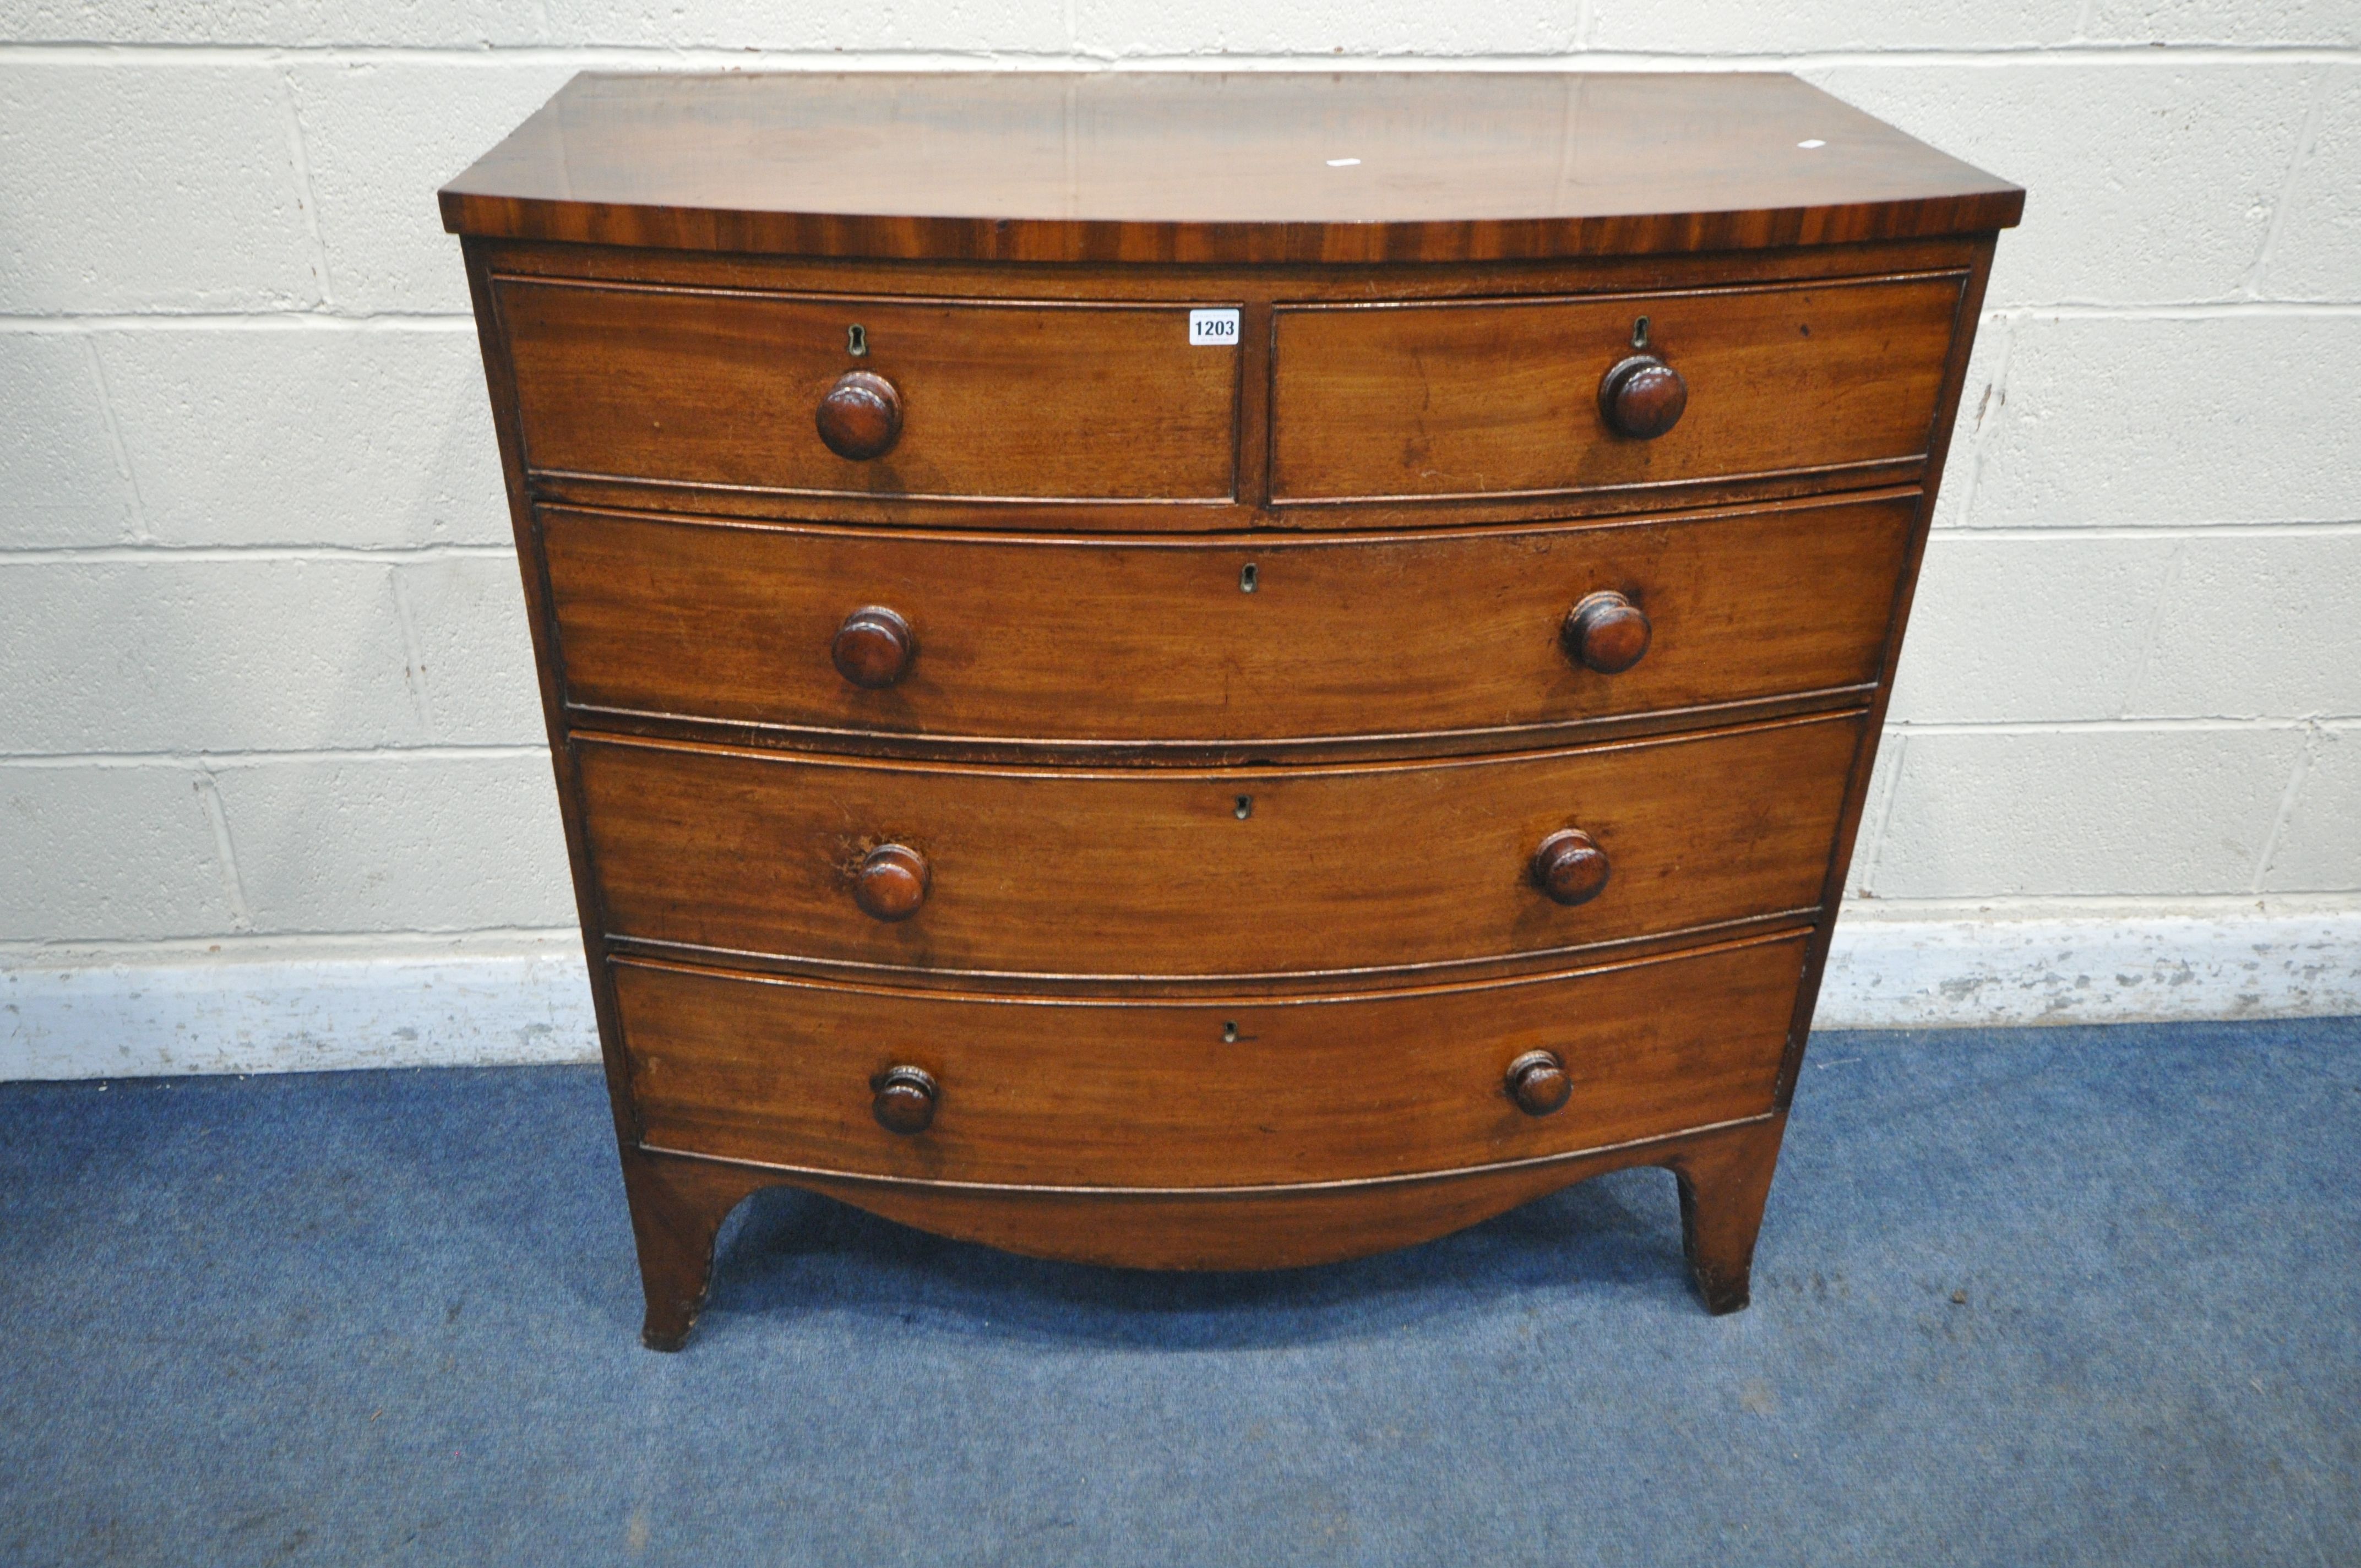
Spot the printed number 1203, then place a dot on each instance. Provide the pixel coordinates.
(1213, 329)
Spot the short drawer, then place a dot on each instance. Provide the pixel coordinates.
(722, 387)
(1166, 641)
(1213, 1093)
(1502, 398)
(1152, 872)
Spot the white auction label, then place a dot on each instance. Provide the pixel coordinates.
(1213, 329)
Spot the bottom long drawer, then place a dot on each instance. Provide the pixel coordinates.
(1090, 1092)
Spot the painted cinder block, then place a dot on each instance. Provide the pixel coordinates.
(2147, 183)
(61, 483)
(2016, 630)
(2178, 420)
(108, 854)
(147, 186)
(2317, 252)
(208, 655)
(1713, 26)
(456, 23)
(2319, 849)
(1891, 748)
(2322, 23)
(465, 622)
(2105, 812)
(308, 433)
(2264, 627)
(1387, 27)
(1983, 395)
(379, 137)
(971, 26)
(438, 842)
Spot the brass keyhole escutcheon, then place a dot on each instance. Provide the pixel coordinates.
(856, 341)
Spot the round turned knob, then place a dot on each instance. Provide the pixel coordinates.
(1538, 1083)
(891, 882)
(905, 1098)
(1605, 632)
(874, 646)
(861, 418)
(1570, 867)
(1642, 397)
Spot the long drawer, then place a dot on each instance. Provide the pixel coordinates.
(1147, 873)
(1215, 1093)
(1235, 641)
(995, 401)
(1494, 398)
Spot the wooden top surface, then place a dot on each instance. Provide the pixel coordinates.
(1247, 166)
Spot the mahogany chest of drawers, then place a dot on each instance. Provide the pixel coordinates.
(1212, 672)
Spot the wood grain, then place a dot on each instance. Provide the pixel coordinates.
(997, 400)
(1137, 983)
(1065, 1094)
(1226, 1228)
(1339, 168)
(1501, 397)
(1155, 873)
(1112, 644)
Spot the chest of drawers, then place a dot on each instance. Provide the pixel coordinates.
(1212, 672)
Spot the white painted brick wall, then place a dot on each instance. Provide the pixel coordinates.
(314, 430)
(263, 676)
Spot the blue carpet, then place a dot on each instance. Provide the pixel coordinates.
(2070, 1296)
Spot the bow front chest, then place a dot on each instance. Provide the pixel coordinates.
(1212, 672)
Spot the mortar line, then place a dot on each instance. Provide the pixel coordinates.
(309, 318)
(215, 761)
(417, 945)
(2202, 724)
(2019, 533)
(2141, 53)
(2111, 906)
(2252, 285)
(153, 551)
(208, 789)
(140, 532)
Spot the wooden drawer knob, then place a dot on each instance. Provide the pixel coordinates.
(1605, 632)
(861, 418)
(891, 882)
(1570, 867)
(1642, 397)
(874, 646)
(905, 1098)
(1538, 1083)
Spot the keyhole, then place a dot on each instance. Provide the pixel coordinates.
(1244, 808)
(1229, 1033)
(1247, 580)
(1640, 333)
(856, 341)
